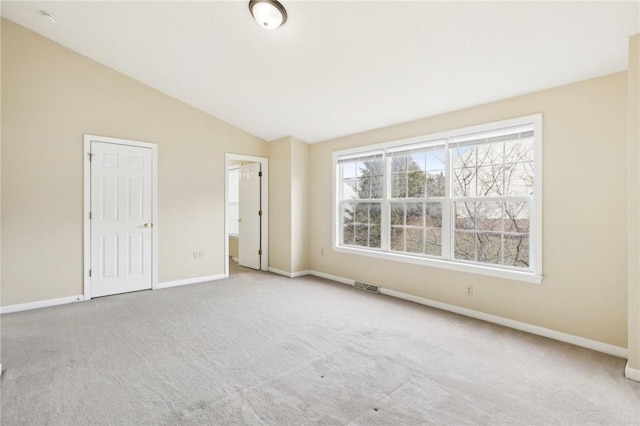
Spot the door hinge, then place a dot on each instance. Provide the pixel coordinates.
(259, 212)
(259, 174)
(259, 252)
(89, 215)
(89, 272)
(90, 156)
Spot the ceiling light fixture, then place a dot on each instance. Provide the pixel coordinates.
(49, 16)
(269, 14)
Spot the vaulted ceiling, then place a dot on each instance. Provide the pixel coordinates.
(337, 68)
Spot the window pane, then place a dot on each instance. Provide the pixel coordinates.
(362, 235)
(416, 162)
(490, 154)
(349, 169)
(516, 251)
(489, 216)
(362, 213)
(490, 181)
(519, 179)
(433, 242)
(433, 215)
(416, 184)
(348, 214)
(464, 157)
(464, 182)
(518, 150)
(465, 215)
(415, 214)
(375, 238)
(349, 189)
(399, 185)
(435, 183)
(399, 164)
(489, 247)
(415, 240)
(397, 213)
(435, 160)
(516, 217)
(348, 235)
(465, 245)
(397, 238)
(377, 185)
(375, 218)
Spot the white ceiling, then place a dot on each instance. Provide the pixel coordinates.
(337, 68)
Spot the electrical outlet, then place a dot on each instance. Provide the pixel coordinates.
(469, 290)
(195, 255)
(201, 255)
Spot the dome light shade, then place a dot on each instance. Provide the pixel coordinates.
(269, 14)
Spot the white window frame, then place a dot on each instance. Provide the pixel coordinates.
(531, 275)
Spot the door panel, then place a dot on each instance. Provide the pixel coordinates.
(121, 205)
(250, 219)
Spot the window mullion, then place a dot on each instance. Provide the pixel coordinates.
(385, 228)
(447, 208)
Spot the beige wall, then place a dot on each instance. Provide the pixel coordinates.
(299, 206)
(280, 204)
(51, 97)
(633, 114)
(584, 215)
(288, 204)
(234, 247)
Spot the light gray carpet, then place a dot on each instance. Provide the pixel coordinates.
(262, 349)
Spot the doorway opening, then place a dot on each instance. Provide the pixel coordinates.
(246, 213)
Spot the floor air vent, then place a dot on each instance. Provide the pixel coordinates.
(366, 287)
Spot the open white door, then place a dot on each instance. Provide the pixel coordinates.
(121, 214)
(250, 216)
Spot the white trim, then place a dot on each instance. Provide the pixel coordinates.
(445, 264)
(332, 277)
(264, 189)
(87, 206)
(41, 304)
(517, 325)
(289, 274)
(632, 373)
(235, 259)
(186, 281)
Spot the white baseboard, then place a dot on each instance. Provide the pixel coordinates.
(40, 304)
(280, 272)
(332, 277)
(235, 259)
(632, 373)
(529, 328)
(289, 274)
(186, 281)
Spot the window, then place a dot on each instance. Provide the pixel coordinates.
(466, 200)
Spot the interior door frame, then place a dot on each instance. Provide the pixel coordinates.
(264, 191)
(87, 206)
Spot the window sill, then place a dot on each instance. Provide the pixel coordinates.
(528, 277)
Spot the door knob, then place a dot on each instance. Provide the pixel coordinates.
(147, 225)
